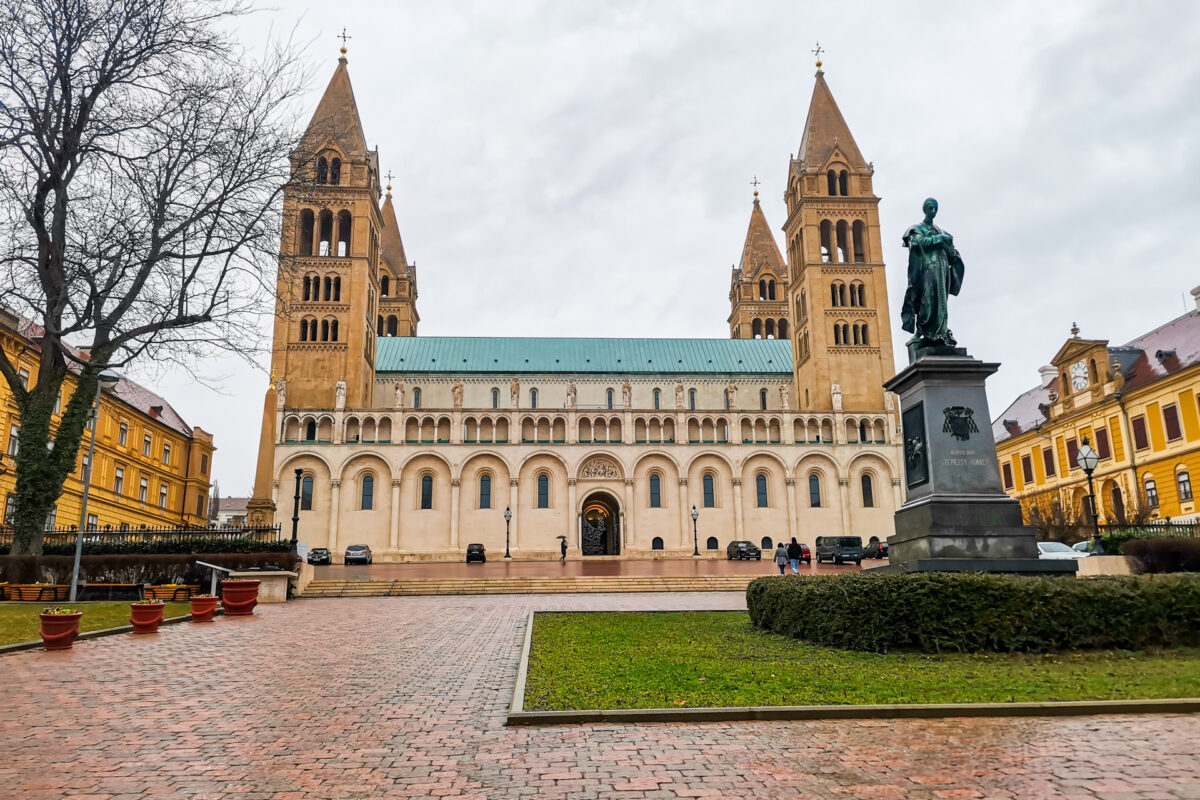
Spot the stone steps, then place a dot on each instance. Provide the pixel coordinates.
(527, 585)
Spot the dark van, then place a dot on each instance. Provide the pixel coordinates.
(839, 548)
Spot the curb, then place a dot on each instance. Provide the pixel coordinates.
(517, 715)
(19, 646)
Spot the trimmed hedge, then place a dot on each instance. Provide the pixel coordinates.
(186, 545)
(149, 569)
(974, 612)
(1164, 554)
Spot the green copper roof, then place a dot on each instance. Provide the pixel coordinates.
(465, 354)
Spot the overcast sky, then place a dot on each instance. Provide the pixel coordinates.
(583, 168)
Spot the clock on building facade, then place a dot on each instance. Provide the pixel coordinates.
(1079, 375)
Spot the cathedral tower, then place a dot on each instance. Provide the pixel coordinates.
(838, 292)
(331, 252)
(759, 286)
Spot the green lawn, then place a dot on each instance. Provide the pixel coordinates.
(19, 621)
(707, 659)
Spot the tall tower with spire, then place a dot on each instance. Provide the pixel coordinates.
(758, 289)
(332, 254)
(838, 292)
(397, 280)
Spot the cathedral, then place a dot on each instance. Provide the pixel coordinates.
(623, 448)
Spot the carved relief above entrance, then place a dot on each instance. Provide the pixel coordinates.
(600, 467)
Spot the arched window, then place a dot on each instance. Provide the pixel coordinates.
(831, 183)
(657, 399)
(843, 183)
(322, 170)
(762, 399)
(862, 430)
(335, 172)
(766, 544)
(655, 491)
(868, 491)
(310, 431)
(710, 492)
(845, 333)
(756, 329)
(426, 492)
(337, 290)
(333, 330)
(856, 330)
(306, 493)
(860, 239)
(325, 222)
(344, 226)
(692, 399)
(837, 333)
(384, 285)
(367, 499)
(485, 491)
(304, 330)
(307, 222)
(769, 329)
(656, 543)
(841, 294)
(1184, 481)
(543, 491)
(814, 491)
(416, 398)
(762, 290)
(803, 304)
(711, 543)
(833, 295)
(379, 325)
(782, 329)
(770, 290)
(392, 324)
(760, 488)
(1151, 492)
(866, 340)
(495, 398)
(533, 398)
(307, 287)
(826, 241)
(609, 396)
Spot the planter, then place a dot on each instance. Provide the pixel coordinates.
(38, 592)
(59, 630)
(203, 609)
(145, 617)
(4, 590)
(239, 597)
(170, 592)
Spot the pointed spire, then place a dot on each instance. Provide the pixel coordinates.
(825, 129)
(390, 243)
(337, 114)
(760, 251)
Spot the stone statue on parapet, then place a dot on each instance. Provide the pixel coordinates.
(627, 393)
(835, 392)
(679, 395)
(457, 392)
(399, 401)
(514, 392)
(785, 399)
(339, 394)
(571, 394)
(935, 271)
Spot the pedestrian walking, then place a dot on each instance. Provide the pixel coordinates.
(563, 559)
(793, 553)
(781, 557)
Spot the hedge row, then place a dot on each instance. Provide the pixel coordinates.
(973, 612)
(149, 569)
(1165, 554)
(187, 545)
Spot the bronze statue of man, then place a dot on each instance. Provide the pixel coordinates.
(935, 271)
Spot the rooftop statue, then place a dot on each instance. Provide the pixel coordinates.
(935, 271)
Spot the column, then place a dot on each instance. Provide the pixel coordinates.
(394, 529)
(339, 421)
(275, 494)
(790, 491)
(844, 491)
(514, 504)
(628, 514)
(454, 491)
(737, 509)
(456, 431)
(839, 428)
(335, 487)
(685, 512)
(572, 513)
(572, 429)
(897, 495)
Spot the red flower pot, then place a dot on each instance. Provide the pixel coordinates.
(239, 597)
(145, 616)
(59, 630)
(204, 608)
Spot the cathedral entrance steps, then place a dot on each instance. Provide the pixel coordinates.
(528, 585)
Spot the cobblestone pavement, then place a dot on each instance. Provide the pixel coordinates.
(405, 697)
(499, 568)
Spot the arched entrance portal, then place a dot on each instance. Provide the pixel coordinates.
(601, 525)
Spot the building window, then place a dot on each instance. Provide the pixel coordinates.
(762, 399)
(93, 522)
(306, 493)
(1048, 461)
(495, 398)
(711, 543)
(1185, 485)
(760, 488)
(146, 444)
(166, 454)
(1151, 492)
(1008, 475)
(657, 399)
(868, 491)
(656, 543)
(533, 398)
(310, 431)
(119, 481)
(10, 508)
(416, 398)
(765, 544)
(23, 376)
(368, 493)
(1102, 448)
(543, 491)
(14, 440)
(1027, 469)
(710, 499)
(655, 491)
(51, 518)
(204, 463)
(143, 490)
(426, 492)
(162, 496)
(485, 491)
(1072, 454)
(1140, 440)
(122, 434)
(692, 399)
(609, 398)
(814, 491)
(1171, 422)
(58, 405)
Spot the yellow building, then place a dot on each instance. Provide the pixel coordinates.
(1137, 404)
(151, 467)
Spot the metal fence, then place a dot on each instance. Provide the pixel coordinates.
(1149, 529)
(146, 535)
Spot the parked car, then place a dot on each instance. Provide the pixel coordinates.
(1058, 551)
(875, 548)
(805, 553)
(476, 552)
(358, 552)
(743, 551)
(1083, 547)
(839, 548)
(320, 555)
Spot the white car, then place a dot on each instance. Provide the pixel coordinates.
(1058, 550)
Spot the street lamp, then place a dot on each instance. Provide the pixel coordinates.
(695, 539)
(507, 520)
(105, 380)
(296, 514)
(1087, 459)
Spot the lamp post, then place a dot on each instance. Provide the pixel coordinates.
(1087, 459)
(103, 380)
(296, 514)
(507, 521)
(695, 536)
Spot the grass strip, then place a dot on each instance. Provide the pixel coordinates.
(19, 621)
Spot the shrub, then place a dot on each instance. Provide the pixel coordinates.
(149, 569)
(974, 612)
(1164, 554)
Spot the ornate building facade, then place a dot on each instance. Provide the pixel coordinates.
(417, 446)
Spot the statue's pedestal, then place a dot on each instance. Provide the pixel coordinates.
(957, 517)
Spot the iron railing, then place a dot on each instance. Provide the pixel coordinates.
(1149, 529)
(151, 534)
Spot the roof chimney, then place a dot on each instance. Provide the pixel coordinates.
(1196, 296)
(1048, 374)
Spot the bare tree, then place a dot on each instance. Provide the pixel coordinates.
(142, 161)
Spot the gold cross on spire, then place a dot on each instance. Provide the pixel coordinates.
(344, 37)
(817, 52)
(755, 184)
(389, 182)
